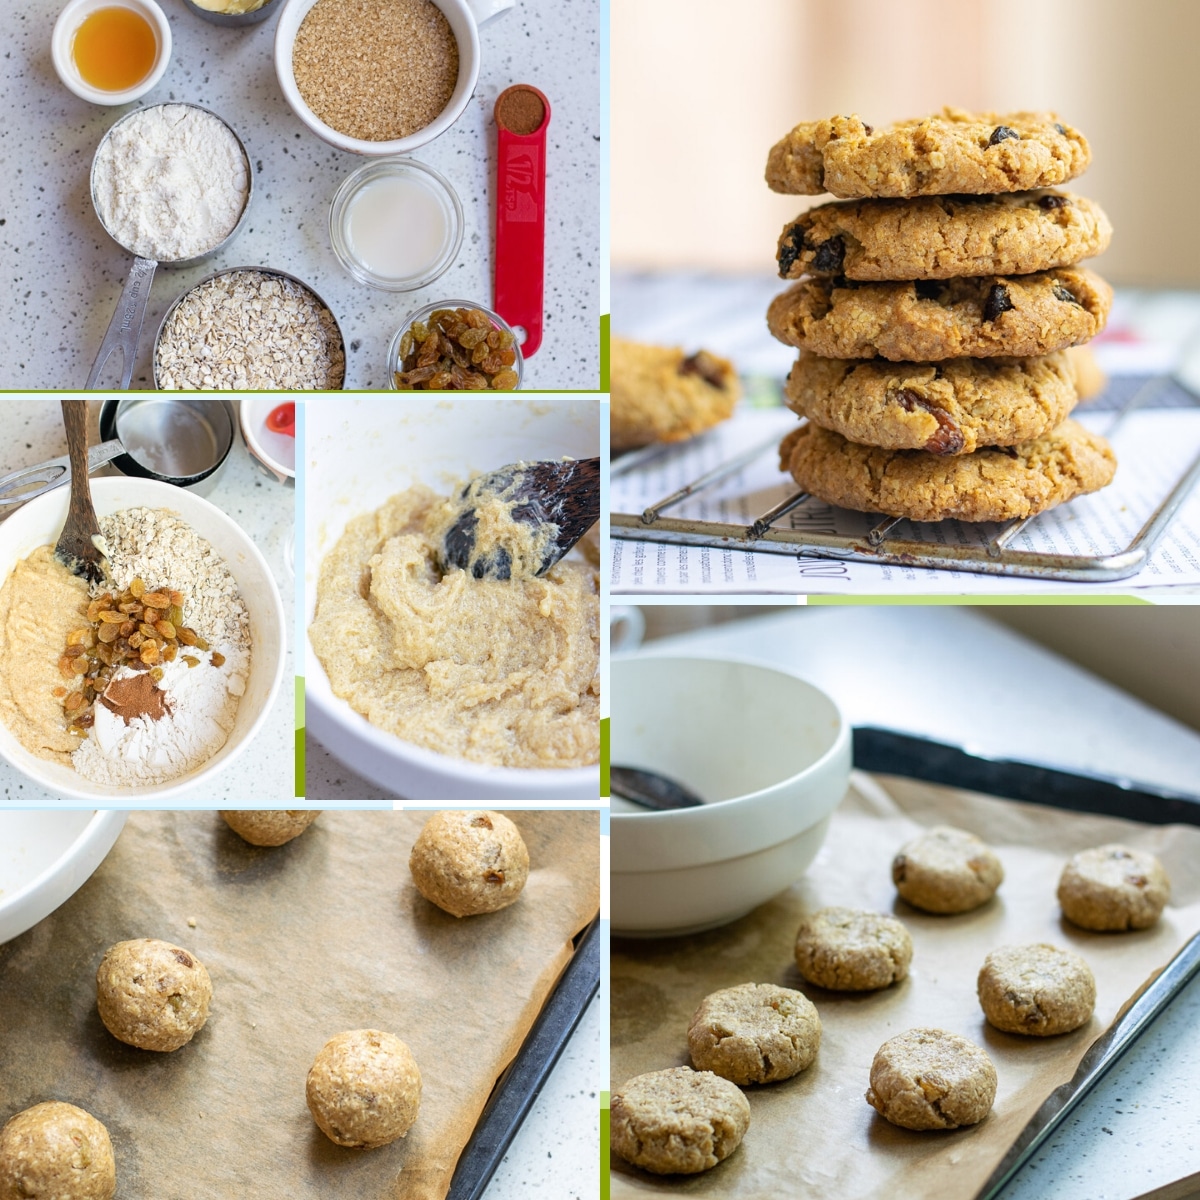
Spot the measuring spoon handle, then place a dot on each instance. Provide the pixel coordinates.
(125, 328)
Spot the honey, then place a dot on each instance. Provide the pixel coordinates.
(114, 49)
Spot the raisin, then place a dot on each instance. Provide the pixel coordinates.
(928, 289)
(183, 958)
(703, 364)
(494, 876)
(998, 301)
(790, 251)
(481, 821)
(1002, 133)
(1060, 129)
(947, 438)
(1052, 201)
(868, 129)
(1065, 295)
(830, 255)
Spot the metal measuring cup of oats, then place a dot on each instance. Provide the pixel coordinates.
(332, 329)
(124, 330)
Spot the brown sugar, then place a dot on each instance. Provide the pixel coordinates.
(520, 110)
(375, 69)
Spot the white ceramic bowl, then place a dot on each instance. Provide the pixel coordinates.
(359, 450)
(46, 856)
(73, 15)
(463, 25)
(41, 521)
(768, 753)
(276, 451)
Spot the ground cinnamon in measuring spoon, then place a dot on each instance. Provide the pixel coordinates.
(520, 111)
(135, 696)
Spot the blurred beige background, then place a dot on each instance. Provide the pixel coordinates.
(701, 89)
(1154, 653)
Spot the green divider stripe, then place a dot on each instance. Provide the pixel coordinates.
(604, 353)
(299, 765)
(604, 1181)
(925, 601)
(604, 757)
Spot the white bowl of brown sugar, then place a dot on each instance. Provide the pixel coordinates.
(379, 76)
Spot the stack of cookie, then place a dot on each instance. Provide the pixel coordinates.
(934, 310)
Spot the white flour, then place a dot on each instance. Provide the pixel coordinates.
(167, 553)
(203, 701)
(171, 182)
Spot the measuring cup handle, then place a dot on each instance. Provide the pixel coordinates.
(485, 10)
(125, 328)
(52, 474)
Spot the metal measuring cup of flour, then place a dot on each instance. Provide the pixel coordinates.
(125, 328)
(162, 325)
(183, 442)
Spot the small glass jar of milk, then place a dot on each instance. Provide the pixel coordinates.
(396, 224)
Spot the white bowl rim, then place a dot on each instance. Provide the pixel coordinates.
(99, 825)
(252, 442)
(157, 792)
(284, 41)
(542, 780)
(66, 24)
(841, 733)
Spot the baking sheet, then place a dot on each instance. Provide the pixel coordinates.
(302, 941)
(815, 1135)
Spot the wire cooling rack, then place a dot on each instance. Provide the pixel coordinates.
(886, 543)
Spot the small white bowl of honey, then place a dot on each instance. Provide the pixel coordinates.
(111, 51)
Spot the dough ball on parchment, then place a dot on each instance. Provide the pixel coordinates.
(1039, 990)
(364, 1089)
(754, 1033)
(265, 828)
(931, 1079)
(469, 862)
(1113, 887)
(678, 1121)
(151, 994)
(55, 1151)
(851, 950)
(946, 870)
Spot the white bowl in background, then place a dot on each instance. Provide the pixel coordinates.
(39, 523)
(361, 450)
(768, 753)
(463, 17)
(73, 15)
(46, 856)
(276, 451)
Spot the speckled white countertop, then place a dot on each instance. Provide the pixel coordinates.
(63, 274)
(265, 772)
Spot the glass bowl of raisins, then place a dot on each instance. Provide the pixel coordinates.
(455, 346)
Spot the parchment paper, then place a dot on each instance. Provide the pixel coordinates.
(815, 1135)
(302, 941)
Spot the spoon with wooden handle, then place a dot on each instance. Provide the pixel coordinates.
(78, 545)
(563, 495)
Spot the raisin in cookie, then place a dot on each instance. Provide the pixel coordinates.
(943, 237)
(849, 950)
(931, 319)
(754, 1033)
(659, 394)
(931, 1079)
(677, 1121)
(954, 151)
(55, 1151)
(953, 407)
(151, 994)
(946, 870)
(1113, 888)
(993, 484)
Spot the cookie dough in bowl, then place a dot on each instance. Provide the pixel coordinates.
(433, 684)
(55, 1151)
